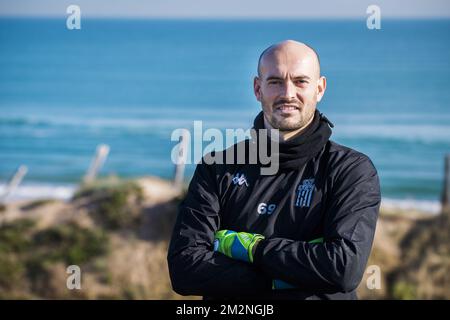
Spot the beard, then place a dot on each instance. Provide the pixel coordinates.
(288, 122)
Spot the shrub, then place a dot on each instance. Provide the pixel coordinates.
(113, 205)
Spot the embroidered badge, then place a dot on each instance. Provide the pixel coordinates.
(304, 193)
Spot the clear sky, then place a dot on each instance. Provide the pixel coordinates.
(228, 8)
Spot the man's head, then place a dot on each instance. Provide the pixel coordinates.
(289, 85)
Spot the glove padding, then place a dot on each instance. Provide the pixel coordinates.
(236, 245)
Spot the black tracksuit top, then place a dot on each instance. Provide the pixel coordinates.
(335, 195)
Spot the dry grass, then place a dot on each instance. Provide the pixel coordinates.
(118, 232)
(413, 253)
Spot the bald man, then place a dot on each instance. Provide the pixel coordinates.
(289, 86)
(304, 232)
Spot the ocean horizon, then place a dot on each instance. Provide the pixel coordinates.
(131, 83)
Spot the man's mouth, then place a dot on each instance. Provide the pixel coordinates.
(287, 108)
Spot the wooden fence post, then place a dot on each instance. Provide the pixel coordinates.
(181, 160)
(97, 163)
(14, 182)
(446, 191)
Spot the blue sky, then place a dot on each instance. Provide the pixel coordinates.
(228, 8)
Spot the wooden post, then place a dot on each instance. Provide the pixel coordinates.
(181, 160)
(14, 182)
(97, 163)
(446, 191)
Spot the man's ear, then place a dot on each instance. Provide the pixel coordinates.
(257, 88)
(321, 87)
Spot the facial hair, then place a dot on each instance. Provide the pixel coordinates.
(303, 117)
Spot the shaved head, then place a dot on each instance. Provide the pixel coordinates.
(289, 85)
(286, 46)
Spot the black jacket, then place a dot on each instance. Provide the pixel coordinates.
(331, 193)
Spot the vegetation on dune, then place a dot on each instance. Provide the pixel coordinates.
(37, 203)
(122, 248)
(27, 254)
(33, 259)
(113, 203)
(424, 271)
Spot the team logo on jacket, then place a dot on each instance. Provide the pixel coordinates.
(240, 179)
(304, 193)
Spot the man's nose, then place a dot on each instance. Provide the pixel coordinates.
(289, 90)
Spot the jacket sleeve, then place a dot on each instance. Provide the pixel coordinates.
(194, 267)
(337, 264)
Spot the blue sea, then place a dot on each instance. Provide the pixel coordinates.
(130, 83)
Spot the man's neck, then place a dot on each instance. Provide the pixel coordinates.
(286, 135)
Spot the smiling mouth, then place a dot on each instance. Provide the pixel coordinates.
(287, 107)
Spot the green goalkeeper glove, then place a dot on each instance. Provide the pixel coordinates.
(236, 245)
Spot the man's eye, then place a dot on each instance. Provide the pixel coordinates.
(301, 81)
(274, 82)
